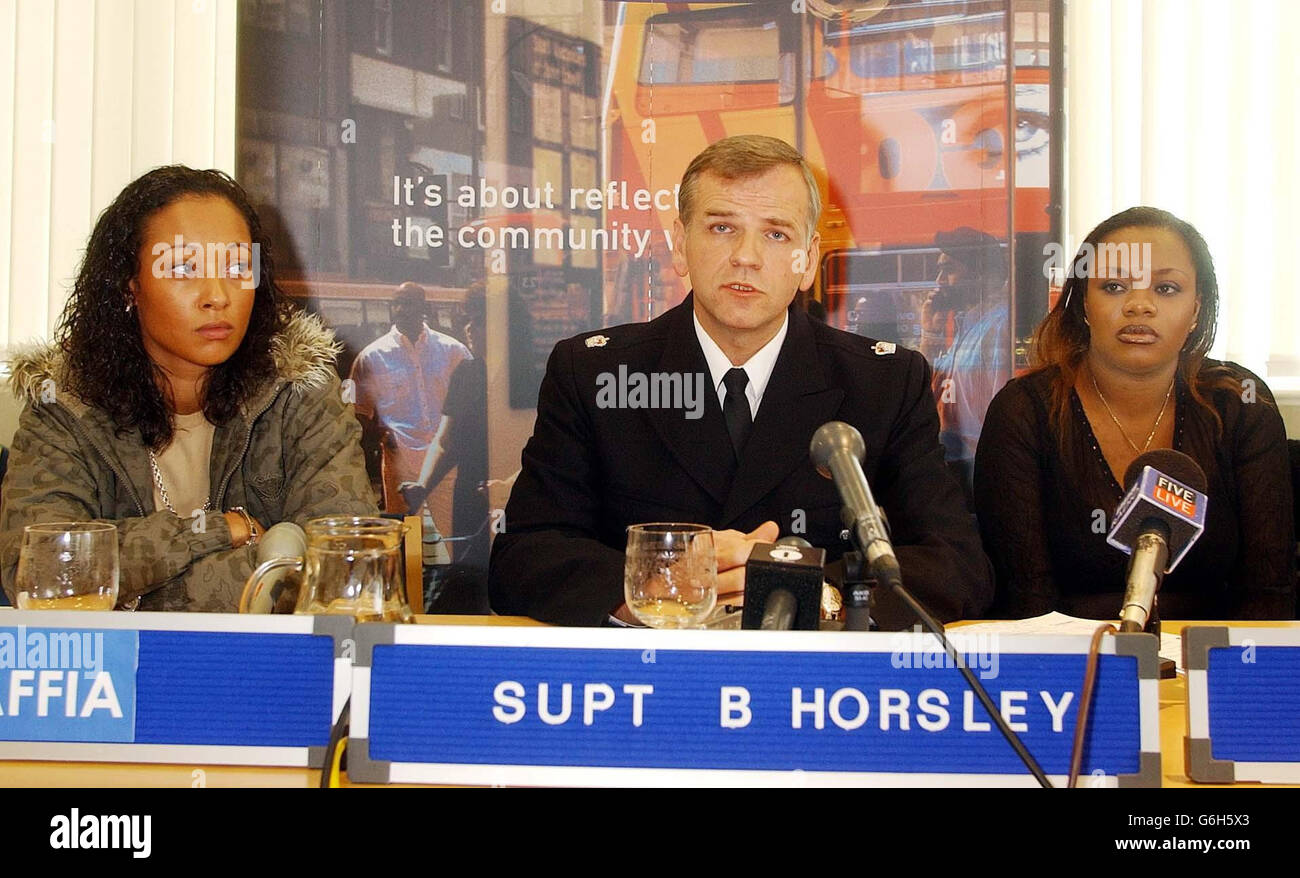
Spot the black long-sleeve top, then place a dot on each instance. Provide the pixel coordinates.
(1044, 513)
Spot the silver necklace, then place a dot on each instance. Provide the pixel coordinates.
(162, 489)
(1120, 427)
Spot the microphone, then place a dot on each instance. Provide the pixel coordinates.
(837, 450)
(279, 592)
(783, 586)
(1156, 523)
(283, 540)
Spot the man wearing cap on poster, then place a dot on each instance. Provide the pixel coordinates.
(966, 336)
(735, 456)
(401, 381)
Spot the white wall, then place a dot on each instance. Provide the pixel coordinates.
(92, 94)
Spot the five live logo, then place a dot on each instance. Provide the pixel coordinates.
(1177, 497)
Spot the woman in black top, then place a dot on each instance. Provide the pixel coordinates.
(1122, 369)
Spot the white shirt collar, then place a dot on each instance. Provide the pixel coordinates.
(401, 336)
(758, 367)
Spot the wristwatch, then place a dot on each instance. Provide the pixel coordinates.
(248, 522)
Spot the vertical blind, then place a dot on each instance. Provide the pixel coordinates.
(1191, 106)
(92, 94)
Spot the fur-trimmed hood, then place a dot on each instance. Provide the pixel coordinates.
(304, 351)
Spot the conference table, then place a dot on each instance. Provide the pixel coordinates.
(1173, 724)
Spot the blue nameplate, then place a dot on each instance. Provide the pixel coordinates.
(1243, 704)
(479, 705)
(171, 687)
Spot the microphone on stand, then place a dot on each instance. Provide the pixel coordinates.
(837, 450)
(1156, 523)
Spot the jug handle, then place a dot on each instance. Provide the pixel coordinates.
(254, 584)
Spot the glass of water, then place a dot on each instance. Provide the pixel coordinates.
(670, 577)
(68, 565)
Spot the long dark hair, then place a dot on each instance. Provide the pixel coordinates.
(107, 365)
(1063, 338)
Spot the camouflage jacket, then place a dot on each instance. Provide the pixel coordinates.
(292, 454)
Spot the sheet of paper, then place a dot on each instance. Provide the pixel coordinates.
(1171, 645)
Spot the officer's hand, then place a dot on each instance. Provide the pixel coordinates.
(733, 548)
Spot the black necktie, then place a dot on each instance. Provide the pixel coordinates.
(735, 408)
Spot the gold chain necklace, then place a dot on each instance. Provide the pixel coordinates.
(1120, 427)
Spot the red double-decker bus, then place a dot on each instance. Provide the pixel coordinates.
(921, 116)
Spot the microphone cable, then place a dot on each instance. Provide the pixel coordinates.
(336, 751)
(1012, 738)
(1085, 701)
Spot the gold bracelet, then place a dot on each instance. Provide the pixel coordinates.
(248, 523)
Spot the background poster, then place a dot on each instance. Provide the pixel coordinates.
(518, 159)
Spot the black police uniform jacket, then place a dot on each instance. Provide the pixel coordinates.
(590, 470)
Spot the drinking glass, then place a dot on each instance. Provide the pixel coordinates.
(68, 565)
(670, 577)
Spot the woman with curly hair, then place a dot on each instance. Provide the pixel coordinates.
(180, 399)
(1122, 369)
